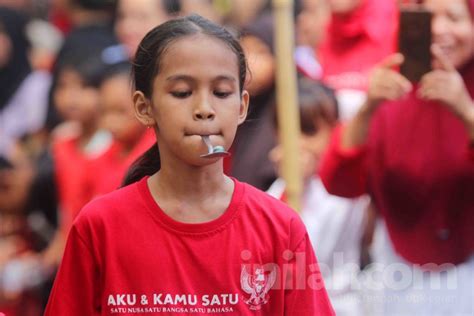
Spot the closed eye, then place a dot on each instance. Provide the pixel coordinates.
(222, 94)
(181, 94)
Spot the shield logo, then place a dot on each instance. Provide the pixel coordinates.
(257, 286)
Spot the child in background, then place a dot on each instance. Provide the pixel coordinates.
(130, 137)
(335, 225)
(78, 140)
(159, 244)
(134, 18)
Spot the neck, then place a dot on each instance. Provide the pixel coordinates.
(87, 131)
(189, 193)
(192, 182)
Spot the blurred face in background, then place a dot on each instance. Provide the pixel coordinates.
(345, 6)
(135, 18)
(75, 100)
(261, 63)
(204, 8)
(311, 22)
(311, 149)
(452, 30)
(244, 12)
(117, 113)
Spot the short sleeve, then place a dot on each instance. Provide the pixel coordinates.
(305, 293)
(75, 290)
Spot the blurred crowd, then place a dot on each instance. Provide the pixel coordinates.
(394, 152)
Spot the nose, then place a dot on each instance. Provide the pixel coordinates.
(203, 111)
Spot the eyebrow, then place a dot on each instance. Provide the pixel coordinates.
(191, 79)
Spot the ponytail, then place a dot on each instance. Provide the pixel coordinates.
(146, 165)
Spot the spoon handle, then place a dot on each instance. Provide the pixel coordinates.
(207, 141)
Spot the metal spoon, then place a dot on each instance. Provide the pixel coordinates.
(213, 152)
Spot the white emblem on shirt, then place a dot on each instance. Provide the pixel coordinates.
(257, 285)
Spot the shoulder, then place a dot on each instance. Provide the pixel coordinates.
(279, 217)
(110, 207)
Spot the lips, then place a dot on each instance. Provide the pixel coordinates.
(203, 133)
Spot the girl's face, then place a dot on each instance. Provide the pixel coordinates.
(452, 29)
(117, 113)
(74, 100)
(195, 93)
(261, 64)
(135, 18)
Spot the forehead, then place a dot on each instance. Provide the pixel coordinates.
(440, 5)
(199, 56)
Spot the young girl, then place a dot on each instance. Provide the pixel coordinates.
(158, 246)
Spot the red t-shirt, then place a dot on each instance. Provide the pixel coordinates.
(69, 166)
(126, 256)
(107, 172)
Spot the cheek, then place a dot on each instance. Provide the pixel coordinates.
(464, 49)
(90, 101)
(59, 98)
(465, 35)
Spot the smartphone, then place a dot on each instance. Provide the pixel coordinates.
(414, 42)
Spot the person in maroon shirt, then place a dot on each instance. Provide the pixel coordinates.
(183, 238)
(411, 147)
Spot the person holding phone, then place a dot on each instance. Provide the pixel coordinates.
(411, 147)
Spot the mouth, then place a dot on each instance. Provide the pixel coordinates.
(202, 133)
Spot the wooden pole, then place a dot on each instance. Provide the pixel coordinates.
(287, 99)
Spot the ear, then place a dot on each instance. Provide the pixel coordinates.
(244, 106)
(142, 108)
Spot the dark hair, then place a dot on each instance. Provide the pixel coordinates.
(88, 65)
(147, 65)
(123, 68)
(12, 74)
(94, 5)
(314, 100)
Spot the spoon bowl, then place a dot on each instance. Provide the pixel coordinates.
(213, 152)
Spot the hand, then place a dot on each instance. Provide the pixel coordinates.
(446, 86)
(385, 83)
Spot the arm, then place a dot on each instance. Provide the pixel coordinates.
(344, 171)
(344, 168)
(75, 290)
